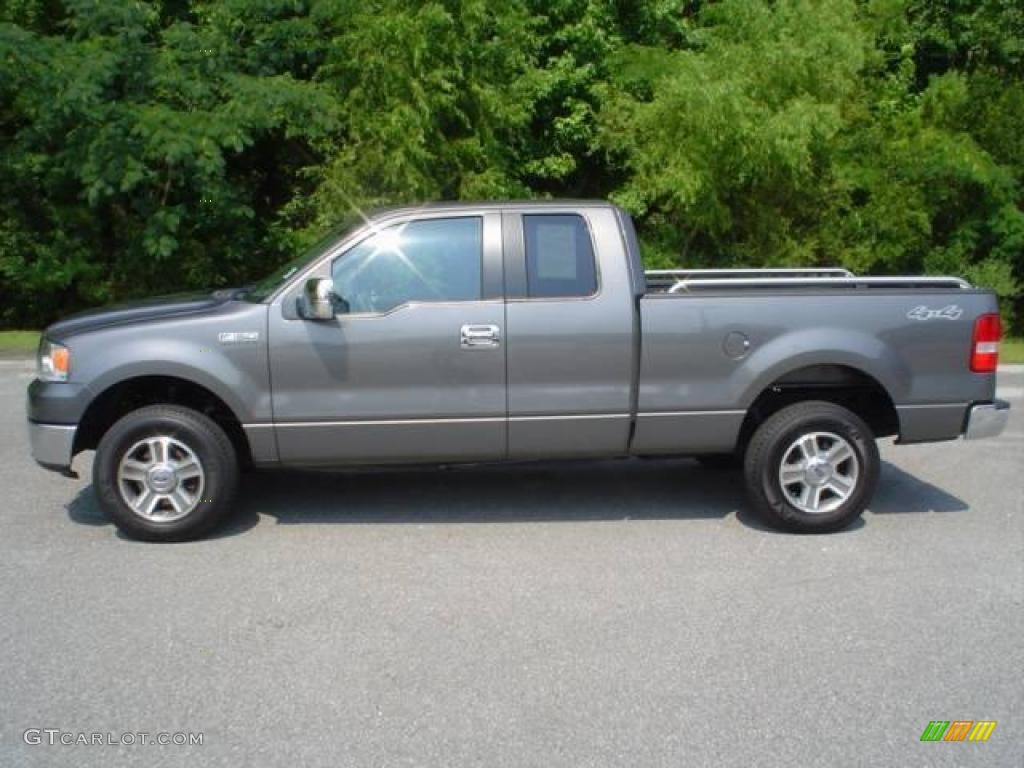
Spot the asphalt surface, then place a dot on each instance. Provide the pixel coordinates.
(611, 613)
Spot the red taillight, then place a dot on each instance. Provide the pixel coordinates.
(985, 343)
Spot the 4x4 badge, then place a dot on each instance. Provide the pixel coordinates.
(949, 312)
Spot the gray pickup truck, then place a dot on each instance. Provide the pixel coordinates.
(455, 333)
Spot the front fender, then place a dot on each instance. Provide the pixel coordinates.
(191, 349)
(227, 382)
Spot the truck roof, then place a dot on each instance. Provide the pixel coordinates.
(476, 205)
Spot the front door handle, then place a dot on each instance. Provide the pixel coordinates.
(480, 336)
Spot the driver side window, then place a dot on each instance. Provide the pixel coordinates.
(428, 260)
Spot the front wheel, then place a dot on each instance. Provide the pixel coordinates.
(165, 473)
(811, 467)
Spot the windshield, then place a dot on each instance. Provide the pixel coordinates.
(261, 289)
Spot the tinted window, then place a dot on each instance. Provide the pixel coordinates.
(426, 260)
(559, 256)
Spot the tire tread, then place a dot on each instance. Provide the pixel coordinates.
(758, 472)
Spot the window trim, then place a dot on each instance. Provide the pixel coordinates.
(514, 239)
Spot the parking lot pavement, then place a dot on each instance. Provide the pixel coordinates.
(608, 613)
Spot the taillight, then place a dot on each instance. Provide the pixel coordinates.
(985, 343)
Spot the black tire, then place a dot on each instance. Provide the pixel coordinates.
(774, 441)
(720, 462)
(203, 437)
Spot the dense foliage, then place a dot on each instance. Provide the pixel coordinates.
(155, 146)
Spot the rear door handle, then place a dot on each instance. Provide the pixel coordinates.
(480, 336)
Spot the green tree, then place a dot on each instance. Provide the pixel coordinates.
(162, 145)
(143, 149)
(803, 132)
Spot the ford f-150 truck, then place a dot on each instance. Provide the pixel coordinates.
(453, 333)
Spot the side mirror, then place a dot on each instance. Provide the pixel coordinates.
(317, 301)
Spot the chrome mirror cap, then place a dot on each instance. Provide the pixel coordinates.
(317, 302)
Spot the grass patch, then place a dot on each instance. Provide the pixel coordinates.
(19, 342)
(1011, 351)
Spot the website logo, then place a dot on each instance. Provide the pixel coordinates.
(958, 730)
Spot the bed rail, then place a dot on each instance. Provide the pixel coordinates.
(735, 272)
(687, 285)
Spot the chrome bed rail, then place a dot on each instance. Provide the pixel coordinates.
(736, 272)
(700, 283)
(686, 280)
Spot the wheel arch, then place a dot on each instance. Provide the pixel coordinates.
(846, 385)
(129, 394)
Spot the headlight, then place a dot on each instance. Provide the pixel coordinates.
(54, 361)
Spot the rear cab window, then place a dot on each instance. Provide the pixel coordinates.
(560, 259)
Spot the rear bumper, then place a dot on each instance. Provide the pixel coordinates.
(986, 420)
(52, 445)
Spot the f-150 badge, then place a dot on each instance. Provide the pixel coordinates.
(238, 337)
(950, 312)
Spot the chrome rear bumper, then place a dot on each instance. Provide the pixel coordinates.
(52, 445)
(986, 420)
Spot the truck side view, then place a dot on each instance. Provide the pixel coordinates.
(512, 331)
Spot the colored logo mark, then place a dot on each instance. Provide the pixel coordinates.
(958, 730)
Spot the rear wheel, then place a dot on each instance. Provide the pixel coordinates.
(165, 473)
(812, 467)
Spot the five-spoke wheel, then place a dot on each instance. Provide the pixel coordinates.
(161, 478)
(818, 472)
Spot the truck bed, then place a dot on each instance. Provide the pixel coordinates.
(708, 352)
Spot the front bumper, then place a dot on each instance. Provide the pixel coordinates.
(986, 420)
(57, 402)
(52, 445)
(55, 408)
